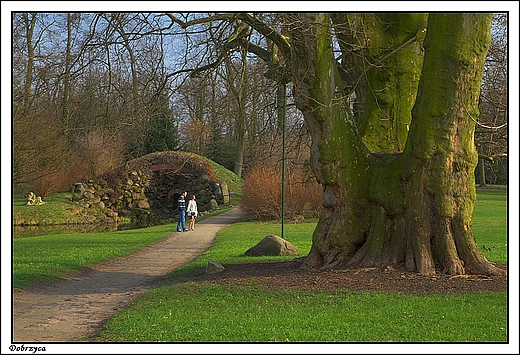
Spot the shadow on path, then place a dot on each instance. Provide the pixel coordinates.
(73, 308)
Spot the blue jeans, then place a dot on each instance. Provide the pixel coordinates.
(181, 226)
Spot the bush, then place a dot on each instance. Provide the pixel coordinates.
(61, 180)
(262, 194)
(302, 195)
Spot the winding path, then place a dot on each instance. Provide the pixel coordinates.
(73, 309)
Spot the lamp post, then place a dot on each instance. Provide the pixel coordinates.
(283, 159)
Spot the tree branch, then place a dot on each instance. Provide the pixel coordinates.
(199, 21)
(491, 158)
(268, 32)
(351, 79)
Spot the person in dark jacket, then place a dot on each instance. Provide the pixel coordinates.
(181, 206)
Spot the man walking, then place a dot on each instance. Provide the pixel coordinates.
(181, 206)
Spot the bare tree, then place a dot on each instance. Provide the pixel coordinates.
(491, 129)
(37, 140)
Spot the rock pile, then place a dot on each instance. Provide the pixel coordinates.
(145, 190)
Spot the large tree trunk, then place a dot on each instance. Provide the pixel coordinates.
(237, 85)
(66, 78)
(412, 209)
(338, 157)
(30, 24)
(382, 58)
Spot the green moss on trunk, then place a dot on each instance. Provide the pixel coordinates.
(410, 210)
(441, 139)
(391, 84)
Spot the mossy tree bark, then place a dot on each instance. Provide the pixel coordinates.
(407, 202)
(382, 57)
(411, 209)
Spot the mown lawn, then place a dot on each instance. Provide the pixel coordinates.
(192, 312)
(57, 209)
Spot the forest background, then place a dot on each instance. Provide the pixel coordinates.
(93, 90)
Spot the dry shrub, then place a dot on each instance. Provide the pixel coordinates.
(261, 193)
(60, 180)
(302, 195)
(94, 154)
(262, 190)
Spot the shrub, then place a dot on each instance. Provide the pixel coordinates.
(302, 195)
(262, 194)
(60, 180)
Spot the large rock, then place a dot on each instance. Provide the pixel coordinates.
(225, 191)
(272, 245)
(100, 205)
(212, 205)
(143, 204)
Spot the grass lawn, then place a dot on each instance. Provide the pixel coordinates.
(490, 224)
(191, 312)
(47, 257)
(58, 209)
(194, 313)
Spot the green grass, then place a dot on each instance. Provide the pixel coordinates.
(233, 241)
(190, 312)
(490, 224)
(194, 313)
(58, 209)
(234, 182)
(45, 258)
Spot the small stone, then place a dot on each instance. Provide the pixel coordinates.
(214, 267)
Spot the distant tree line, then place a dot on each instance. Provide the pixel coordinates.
(93, 90)
(491, 132)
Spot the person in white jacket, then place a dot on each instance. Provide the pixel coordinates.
(192, 212)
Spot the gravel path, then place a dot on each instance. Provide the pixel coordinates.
(72, 309)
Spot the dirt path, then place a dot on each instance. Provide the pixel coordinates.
(72, 309)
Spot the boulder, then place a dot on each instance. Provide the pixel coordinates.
(212, 205)
(100, 206)
(112, 214)
(143, 204)
(225, 192)
(272, 245)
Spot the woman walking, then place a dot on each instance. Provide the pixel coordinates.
(192, 212)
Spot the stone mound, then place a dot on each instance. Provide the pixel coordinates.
(146, 189)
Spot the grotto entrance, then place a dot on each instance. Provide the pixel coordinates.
(145, 190)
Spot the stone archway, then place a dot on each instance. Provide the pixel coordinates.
(146, 189)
